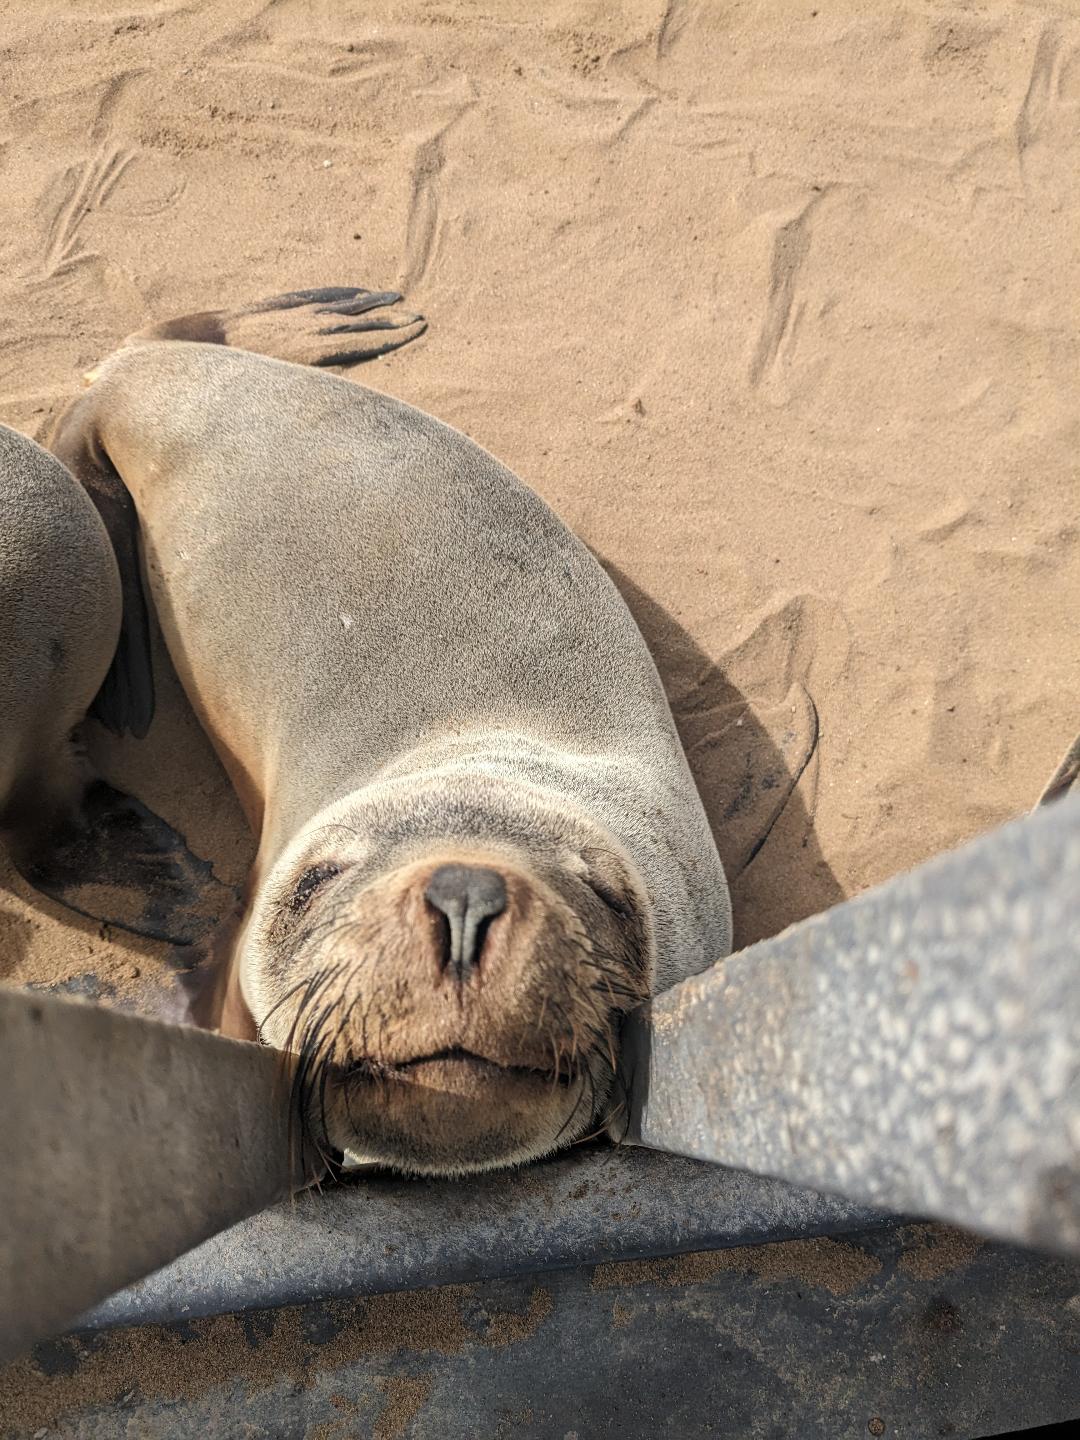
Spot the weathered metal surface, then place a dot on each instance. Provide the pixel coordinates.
(390, 1234)
(916, 1049)
(124, 1143)
(909, 1333)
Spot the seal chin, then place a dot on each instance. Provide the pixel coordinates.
(454, 1009)
(456, 1113)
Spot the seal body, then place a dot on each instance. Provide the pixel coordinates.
(479, 841)
(59, 622)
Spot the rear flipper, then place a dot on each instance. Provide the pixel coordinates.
(336, 325)
(117, 862)
(1065, 779)
(752, 761)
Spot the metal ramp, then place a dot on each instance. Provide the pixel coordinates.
(913, 1051)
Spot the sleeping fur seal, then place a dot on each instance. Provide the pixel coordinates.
(70, 835)
(59, 624)
(479, 841)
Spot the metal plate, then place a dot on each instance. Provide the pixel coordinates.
(912, 1332)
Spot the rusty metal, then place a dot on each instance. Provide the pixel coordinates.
(912, 1332)
(916, 1049)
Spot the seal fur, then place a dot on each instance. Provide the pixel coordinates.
(60, 611)
(406, 662)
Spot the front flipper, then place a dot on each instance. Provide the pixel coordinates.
(125, 701)
(126, 698)
(118, 862)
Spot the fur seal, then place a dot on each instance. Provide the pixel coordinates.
(479, 843)
(59, 624)
(70, 835)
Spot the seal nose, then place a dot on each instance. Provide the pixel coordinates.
(469, 896)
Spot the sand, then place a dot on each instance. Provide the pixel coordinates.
(776, 303)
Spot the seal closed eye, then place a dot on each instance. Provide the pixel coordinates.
(479, 842)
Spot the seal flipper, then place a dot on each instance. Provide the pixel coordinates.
(125, 701)
(1065, 779)
(764, 758)
(292, 326)
(118, 862)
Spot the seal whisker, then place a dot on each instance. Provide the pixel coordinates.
(601, 1126)
(568, 1122)
(308, 1037)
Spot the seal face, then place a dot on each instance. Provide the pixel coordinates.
(479, 841)
(451, 963)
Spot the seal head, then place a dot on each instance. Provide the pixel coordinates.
(451, 960)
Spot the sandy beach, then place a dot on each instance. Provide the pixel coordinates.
(776, 304)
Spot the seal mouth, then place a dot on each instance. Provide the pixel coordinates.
(465, 1062)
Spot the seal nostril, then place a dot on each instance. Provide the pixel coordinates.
(442, 938)
(469, 897)
(480, 935)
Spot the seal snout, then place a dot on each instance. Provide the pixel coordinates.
(457, 1007)
(467, 898)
